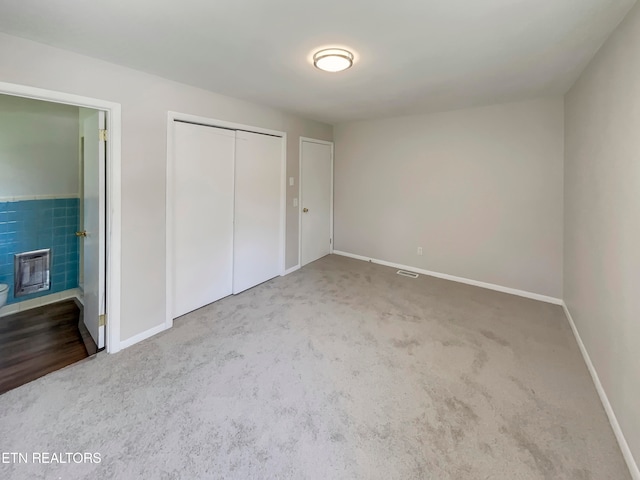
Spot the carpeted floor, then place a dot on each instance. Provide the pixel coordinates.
(342, 370)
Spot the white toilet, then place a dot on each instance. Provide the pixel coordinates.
(4, 291)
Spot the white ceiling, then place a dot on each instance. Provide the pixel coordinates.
(412, 56)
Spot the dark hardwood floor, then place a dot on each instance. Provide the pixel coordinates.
(39, 341)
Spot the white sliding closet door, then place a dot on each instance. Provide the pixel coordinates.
(258, 185)
(203, 195)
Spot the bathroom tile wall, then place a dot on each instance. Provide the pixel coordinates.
(27, 225)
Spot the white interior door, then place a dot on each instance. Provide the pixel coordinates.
(203, 165)
(258, 210)
(316, 195)
(94, 202)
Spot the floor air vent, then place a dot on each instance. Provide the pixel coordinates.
(404, 273)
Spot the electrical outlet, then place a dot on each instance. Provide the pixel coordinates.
(419, 250)
(295, 202)
(291, 181)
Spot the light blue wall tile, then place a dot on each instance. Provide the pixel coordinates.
(9, 237)
(37, 224)
(59, 240)
(57, 281)
(57, 269)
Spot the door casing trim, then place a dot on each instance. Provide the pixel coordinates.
(113, 281)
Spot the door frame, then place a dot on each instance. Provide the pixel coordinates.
(212, 122)
(113, 194)
(300, 192)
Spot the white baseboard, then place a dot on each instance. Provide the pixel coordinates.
(291, 270)
(40, 301)
(453, 278)
(622, 441)
(142, 336)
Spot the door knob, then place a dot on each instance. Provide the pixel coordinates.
(83, 233)
(305, 210)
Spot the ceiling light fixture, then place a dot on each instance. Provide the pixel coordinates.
(333, 59)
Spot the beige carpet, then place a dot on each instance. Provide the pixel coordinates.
(342, 370)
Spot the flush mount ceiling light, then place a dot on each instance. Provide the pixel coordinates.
(333, 59)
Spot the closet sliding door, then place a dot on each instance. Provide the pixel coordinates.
(203, 183)
(258, 220)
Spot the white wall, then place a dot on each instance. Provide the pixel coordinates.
(602, 211)
(479, 189)
(38, 148)
(145, 100)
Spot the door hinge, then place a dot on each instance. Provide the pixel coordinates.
(103, 135)
(102, 320)
(329, 241)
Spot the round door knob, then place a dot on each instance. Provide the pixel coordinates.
(305, 210)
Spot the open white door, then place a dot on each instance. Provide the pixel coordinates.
(316, 200)
(93, 233)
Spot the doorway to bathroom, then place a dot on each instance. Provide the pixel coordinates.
(52, 236)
